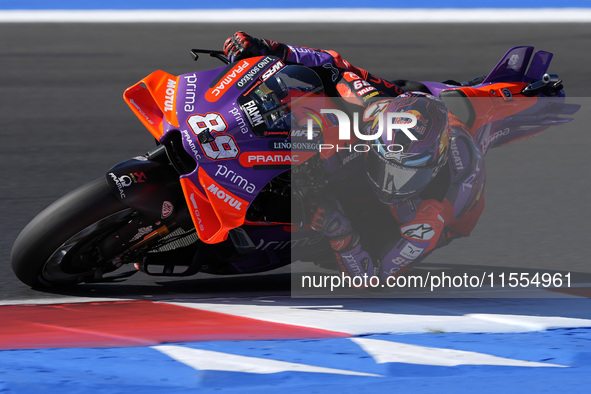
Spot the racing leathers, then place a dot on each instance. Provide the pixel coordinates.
(447, 208)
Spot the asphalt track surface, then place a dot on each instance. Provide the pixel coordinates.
(64, 123)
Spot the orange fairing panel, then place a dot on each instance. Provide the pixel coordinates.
(206, 222)
(490, 103)
(153, 99)
(215, 213)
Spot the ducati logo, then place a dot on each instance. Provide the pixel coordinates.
(167, 209)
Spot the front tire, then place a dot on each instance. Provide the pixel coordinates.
(48, 250)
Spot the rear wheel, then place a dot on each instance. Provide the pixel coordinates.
(59, 246)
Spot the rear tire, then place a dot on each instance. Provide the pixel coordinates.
(43, 253)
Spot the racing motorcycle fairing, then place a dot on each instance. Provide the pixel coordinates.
(512, 66)
(482, 105)
(215, 119)
(153, 101)
(215, 210)
(515, 88)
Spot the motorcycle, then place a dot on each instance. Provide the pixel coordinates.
(220, 181)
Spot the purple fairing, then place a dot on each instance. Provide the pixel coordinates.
(511, 67)
(232, 137)
(220, 134)
(514, 67)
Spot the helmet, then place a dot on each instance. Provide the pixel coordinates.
(267, 106)
(399, 168)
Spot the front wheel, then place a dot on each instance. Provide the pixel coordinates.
(58, 247)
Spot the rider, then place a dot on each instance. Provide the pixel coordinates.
(433, 188)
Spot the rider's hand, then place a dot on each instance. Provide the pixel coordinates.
(242, 45)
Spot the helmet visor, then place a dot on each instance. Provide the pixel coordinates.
(394, 181)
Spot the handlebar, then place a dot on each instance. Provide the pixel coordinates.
(211, 52)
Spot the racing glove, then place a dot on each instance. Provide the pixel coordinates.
(242, 45)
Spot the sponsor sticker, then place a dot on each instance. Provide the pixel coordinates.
(167, 209)
(220, 87)
(422, 232)
(410, 251)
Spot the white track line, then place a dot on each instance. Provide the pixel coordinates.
(201, 359)
(426, 320)
(360, 15)
(394, 352)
